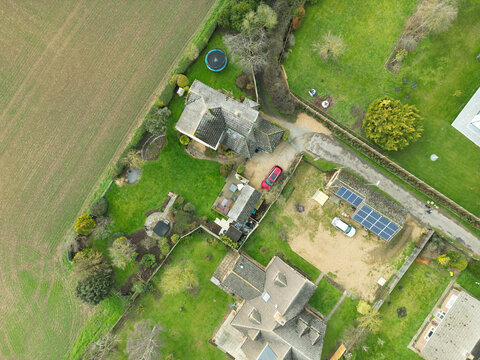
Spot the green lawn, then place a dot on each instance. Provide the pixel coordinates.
(343, 318)
(469, 282)
(188, 331)
(325, 297)
(198, 181)
(224, 79)
(422, 287)
(370, 30)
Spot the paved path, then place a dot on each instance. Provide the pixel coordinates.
(328, 148)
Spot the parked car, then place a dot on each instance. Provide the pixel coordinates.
(343, 227)
(273, 175)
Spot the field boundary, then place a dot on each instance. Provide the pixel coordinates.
(389, 164)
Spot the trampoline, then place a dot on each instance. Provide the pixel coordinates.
(216, 60)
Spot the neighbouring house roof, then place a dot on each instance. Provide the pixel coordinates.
(233, 233)
(458, 334)
(214, 118)
(273, 319)
(372, 197)
(244, 205)
(468, 120)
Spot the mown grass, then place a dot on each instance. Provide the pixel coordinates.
(470, 282)
(422, 286)
(343, 318)
(325, 297)
(224, 79)
(370, 30)
(186, 332)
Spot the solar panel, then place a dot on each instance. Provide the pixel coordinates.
(349, 196)
(375, 222)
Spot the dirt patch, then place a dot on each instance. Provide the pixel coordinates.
(257, 168)
(308, 122)
(355, 263)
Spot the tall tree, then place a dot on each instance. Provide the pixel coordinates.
(122, 252)
(157, 120)
(249, 49)
(265, 17)
(178, 278)
(371, 321)
(94, 288)
(89, 261)
(391, 124)
(144, 343)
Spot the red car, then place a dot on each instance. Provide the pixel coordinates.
(273, 175)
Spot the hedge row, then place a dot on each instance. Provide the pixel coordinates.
(400, 174)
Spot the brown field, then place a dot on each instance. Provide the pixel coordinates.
(75, 79)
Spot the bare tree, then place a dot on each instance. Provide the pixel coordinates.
(371, 321)
(144, 343)
(249, 49)
(331, 46)
(122, 252)
(101, 348)
(437, 15)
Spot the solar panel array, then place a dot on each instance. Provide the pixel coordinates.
(375, 222)
(349, 196)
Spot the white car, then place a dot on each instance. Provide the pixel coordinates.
(343, 227)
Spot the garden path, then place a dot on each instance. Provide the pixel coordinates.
(330, 149)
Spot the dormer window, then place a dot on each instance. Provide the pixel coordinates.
(280, 279)
(266, 296)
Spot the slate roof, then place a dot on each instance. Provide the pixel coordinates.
(214, 118)
(373, 198)
(276, 316)
(458, 333)
(244, 205)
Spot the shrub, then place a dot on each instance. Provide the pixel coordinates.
(444, 260)
(226, 168)
(156, 120)
(182, 221)
(184, 140)
(141, 287)
(89, 261)
(178, 278)
(175, 238)
(391, 124)
(180, 200)
(189, 207)
(122, 252)
(210, 153)
(94, 288)
(240, 169)
(401, 55)
(457, 260)
(164, 246)
(99, 207)
(331, 47)
(474, 267)
(229, 242)
(179, 80)
(148, 260)
(133, 159)
(234, 12)
(84, 225)
(363, 307)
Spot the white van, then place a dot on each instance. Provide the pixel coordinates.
(343, 227)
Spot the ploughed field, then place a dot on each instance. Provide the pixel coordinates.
(75, 79)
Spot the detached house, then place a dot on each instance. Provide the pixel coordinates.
(213, 119)
(273, 321)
